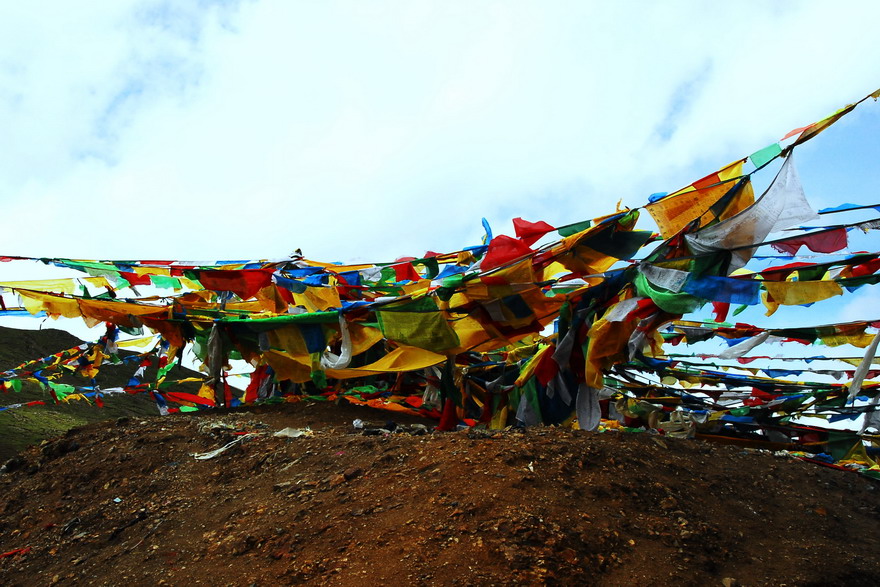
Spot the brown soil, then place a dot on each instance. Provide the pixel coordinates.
(125, 502)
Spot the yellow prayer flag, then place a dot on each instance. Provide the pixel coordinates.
(796, 293)
(675, 211)
(53, 305)
(318, 299)
(67, 286)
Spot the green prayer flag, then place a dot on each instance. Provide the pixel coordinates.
(432, 266)
(674, 303)
(164, 370)
(448, 286)
(319, 378)
(453, 281)
(574, 228)
(418, 323)
(388, 275)
(62, 390)
(765, 155)
(165, 281)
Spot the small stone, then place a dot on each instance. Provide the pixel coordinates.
(569, 555)
(668, 503)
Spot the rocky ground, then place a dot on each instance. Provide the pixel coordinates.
(127, 502)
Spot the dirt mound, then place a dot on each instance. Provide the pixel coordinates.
(126, 502)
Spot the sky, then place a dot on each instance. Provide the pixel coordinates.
(370, 131)
(363, 132)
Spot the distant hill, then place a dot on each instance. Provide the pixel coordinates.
(21, 427)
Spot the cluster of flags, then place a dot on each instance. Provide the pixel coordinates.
(465, 336)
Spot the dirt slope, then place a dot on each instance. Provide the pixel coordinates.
(127, 503)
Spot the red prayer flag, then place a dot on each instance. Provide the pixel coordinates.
(257, 378)
(530, 232)
(866, 268)
(829, 241)
(720, 310)
(179, 396)
(449, 418)
(781, 272)
(796, 131)
(135, 279)
(405, 272)
(243, 283)
(707, 181)
(502, 250)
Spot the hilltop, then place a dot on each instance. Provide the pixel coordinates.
(117, 495)
(126, 501)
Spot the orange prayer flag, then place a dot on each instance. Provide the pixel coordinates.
(679, 209)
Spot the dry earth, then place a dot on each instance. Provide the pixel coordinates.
(126, 502)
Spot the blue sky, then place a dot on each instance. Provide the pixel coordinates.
(370, 131)
(366, 132)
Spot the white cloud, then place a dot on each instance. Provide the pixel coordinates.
(370, 131)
